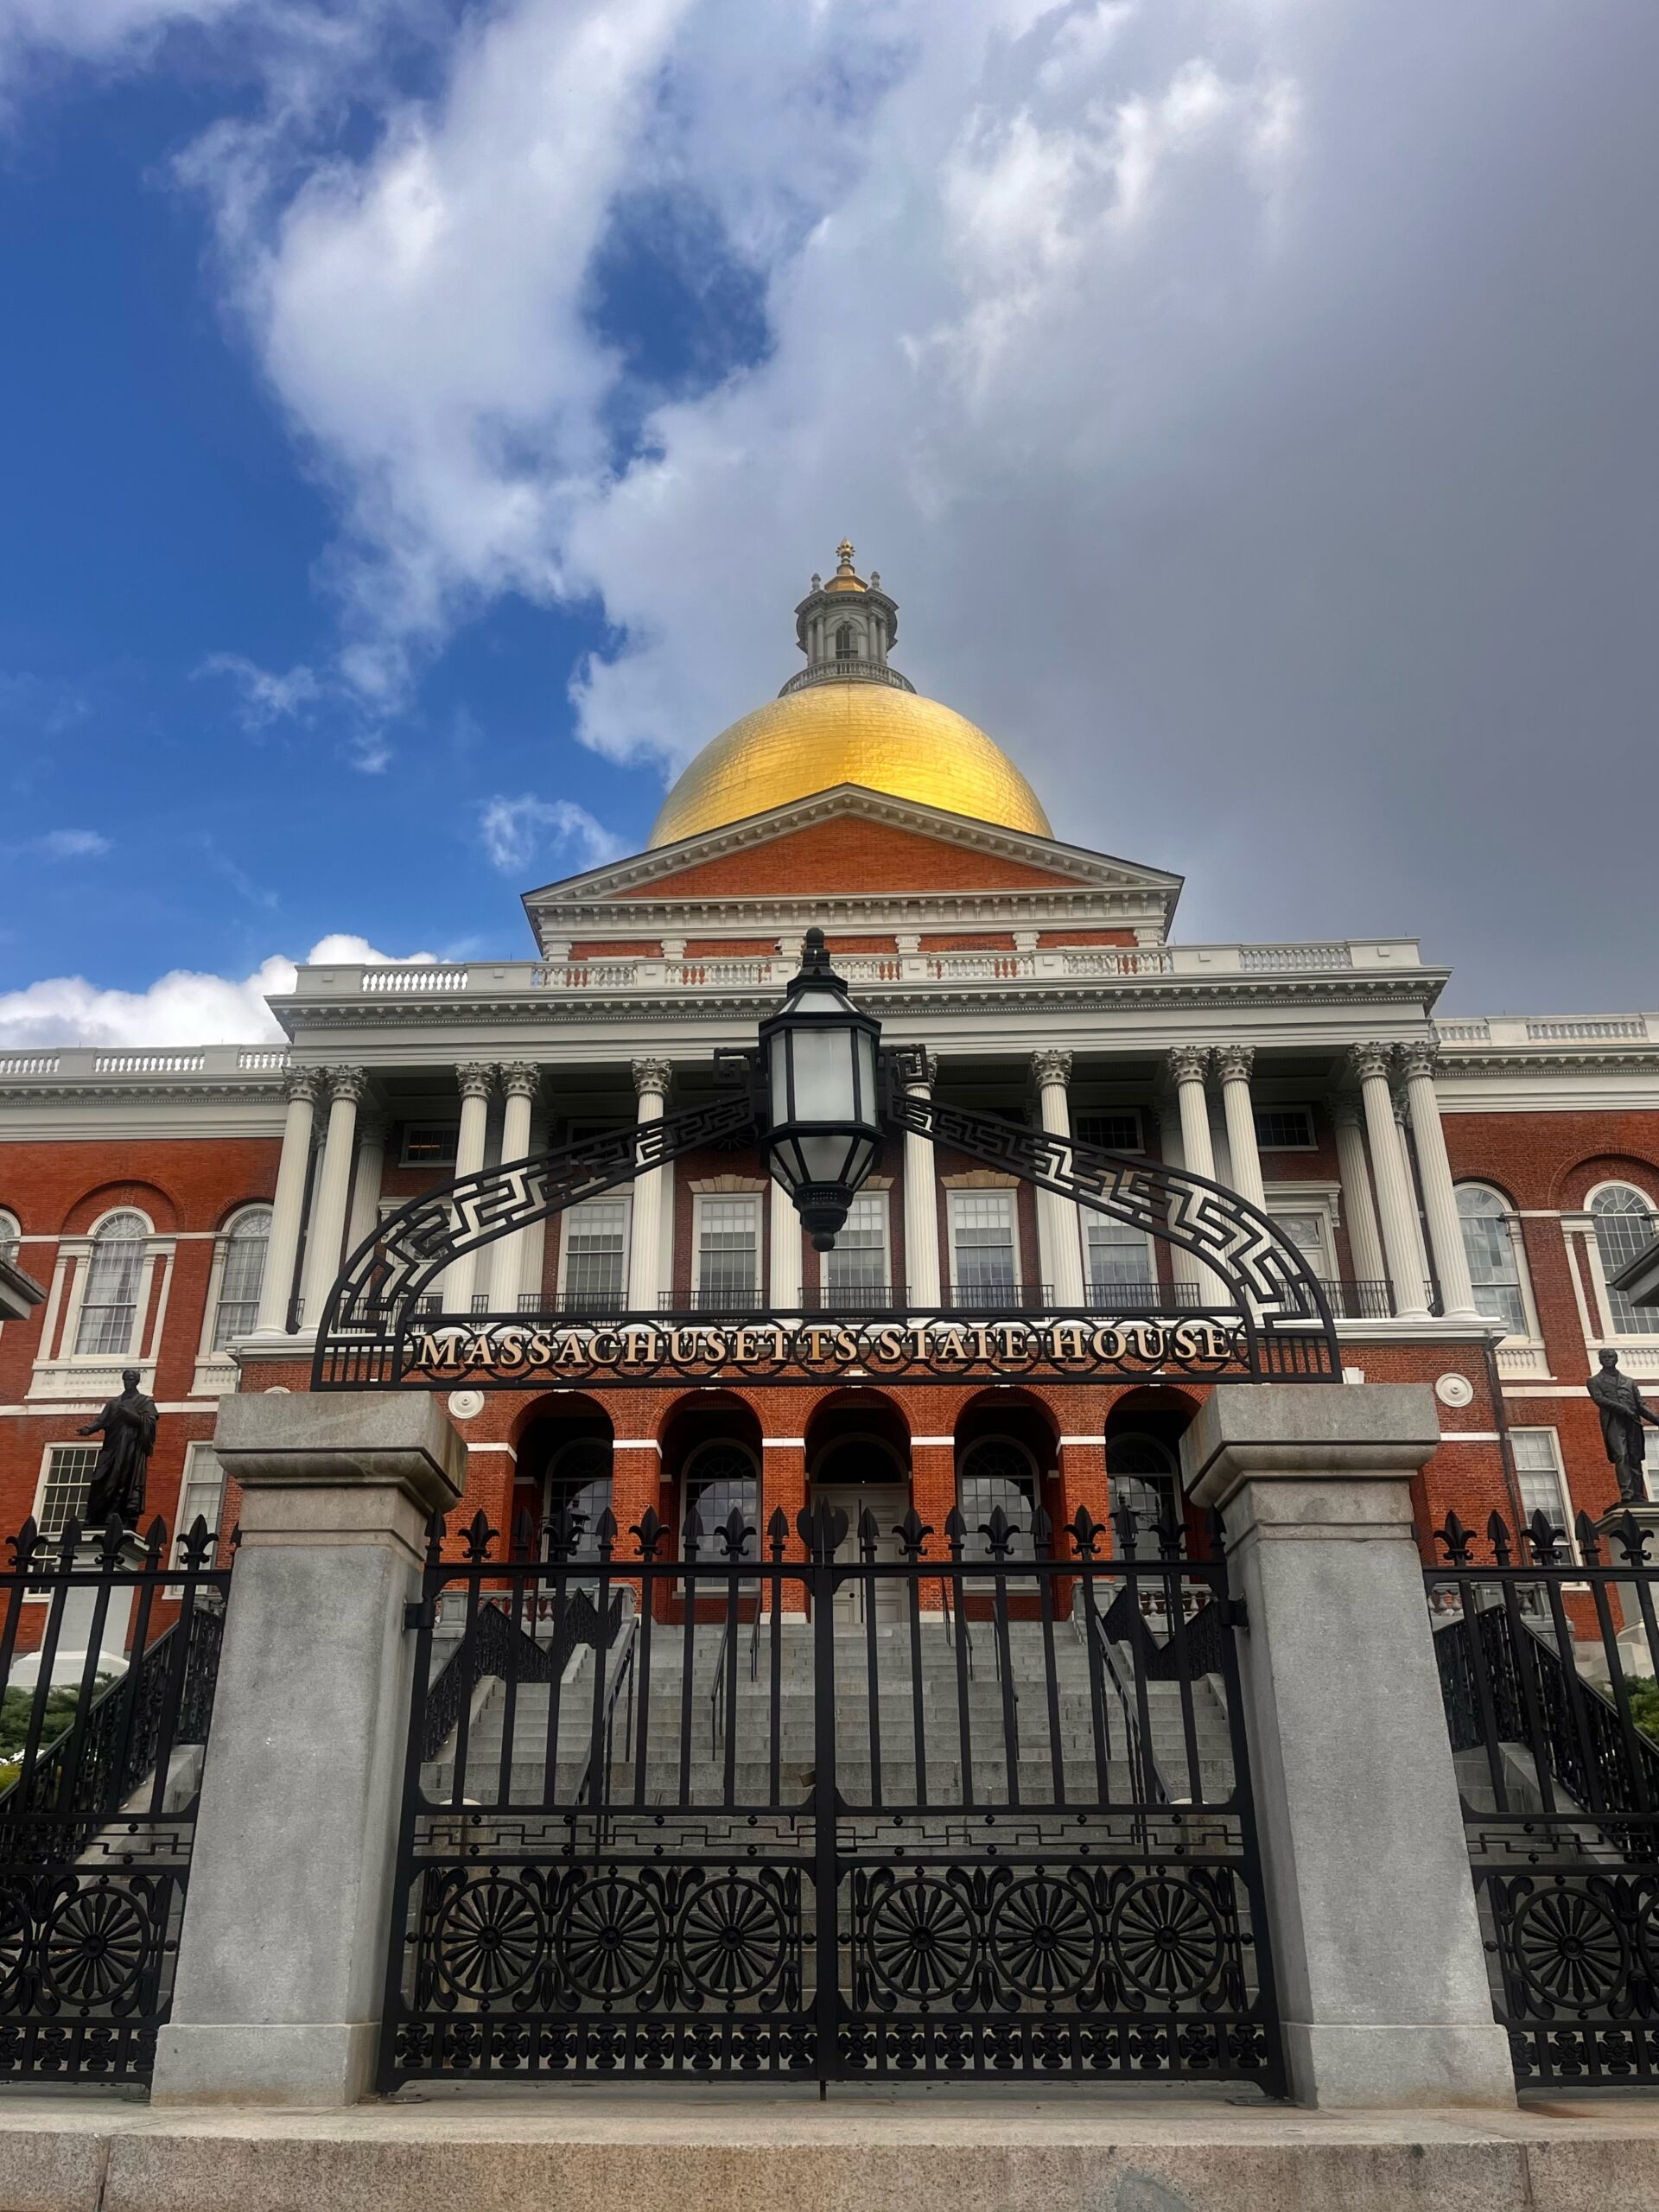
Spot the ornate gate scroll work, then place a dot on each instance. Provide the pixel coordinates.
(1272, 1320)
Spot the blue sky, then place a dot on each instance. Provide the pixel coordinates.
(418, 417)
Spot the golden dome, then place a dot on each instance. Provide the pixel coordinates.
(830, 733)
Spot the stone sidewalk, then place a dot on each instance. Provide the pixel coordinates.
(660, 2148)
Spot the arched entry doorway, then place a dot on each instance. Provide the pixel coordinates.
(1005, 1459)
(711, 1466)
(562, 1486)
(1143, 1462)
(858, 1462)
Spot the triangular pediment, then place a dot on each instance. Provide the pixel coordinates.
(849, 842)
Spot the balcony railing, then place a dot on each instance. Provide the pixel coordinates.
(845, 669)
(855, 1298)
(998, 1296)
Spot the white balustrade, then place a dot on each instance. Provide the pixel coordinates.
(1262, 959)
(148, 1062)
(424, 977)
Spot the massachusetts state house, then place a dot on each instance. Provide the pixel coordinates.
(1463, 1190)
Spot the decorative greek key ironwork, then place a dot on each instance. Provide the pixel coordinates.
(1538, 1654)
(98, 1807)
(895, 1856)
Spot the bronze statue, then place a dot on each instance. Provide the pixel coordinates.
(128, 1427)
(1620, 1405)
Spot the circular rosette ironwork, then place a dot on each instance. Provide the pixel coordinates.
(95, 1947)
(920, 1941)
(1569, 1950)
(612, 1938)
(488, 1939)
(1045, 1937)
(1167, 1938)
(732, 1938)
(14, 1945)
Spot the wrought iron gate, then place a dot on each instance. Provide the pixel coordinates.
(895, 1808)
(1547, 1664)
(100, 1768)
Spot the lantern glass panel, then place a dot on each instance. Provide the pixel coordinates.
(824, 1076)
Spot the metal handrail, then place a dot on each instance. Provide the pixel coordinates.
(1146, 1778)
(967, 1633)
(627, 1639)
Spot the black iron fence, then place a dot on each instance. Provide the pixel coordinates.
(103, 1729)
(837, 1806)
(1548, 1664)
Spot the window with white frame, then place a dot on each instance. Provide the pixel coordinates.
(1625, 1225)
(108, 1308)
(858, 1263)
(594, 1259)
(1113, 1132)
(1491, 1244)
(728, 1249)
(720, 1478)
(996, 1471)
(1543, 1486)
(1141, 1471)
(1119, 1258)
(242, 1276)
(64, 1482)
(984, 1269)
(1284, 1128)
(430, 1144)
(201, 1494)
(11, 1236)
(1309, 1227)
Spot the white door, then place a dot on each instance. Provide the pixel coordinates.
(886, 1502)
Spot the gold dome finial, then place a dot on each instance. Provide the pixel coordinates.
(844, 579)
(844, 552)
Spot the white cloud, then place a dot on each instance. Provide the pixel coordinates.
(182, 1007)
(70, 844)
(266, 697)
(513, 830)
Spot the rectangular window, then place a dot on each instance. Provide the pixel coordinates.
(1284, 1128)
(728, 1251)
(63, 1493)
(1543, 1490)
(1306, 1231)
(981, 1242)
(1118, 1132)
(108, 1310)
(240, 1284)
(858, 1265)
(1121, 1264)
(430, 1144)
(596, 1274)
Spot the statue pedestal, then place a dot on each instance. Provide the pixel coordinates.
(1638, 1652)
(78, 1625)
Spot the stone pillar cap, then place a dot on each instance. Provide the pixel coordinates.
(1352, 1431)
(287, 1440)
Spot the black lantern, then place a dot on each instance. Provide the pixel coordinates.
(819, 1057)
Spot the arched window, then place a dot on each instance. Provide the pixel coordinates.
(1625, 1226)
(11, 1236)
(1140, 1469)
(845, 647)
(579, 1483)
(108, 1310)
(718, 1476)
(996, 1471)
(1491, 1244)
(243, 1275)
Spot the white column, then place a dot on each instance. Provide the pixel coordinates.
(1409, 1171)
(1234, 1064)
(1440, 1198)
(1060, 1237)
(921, 1208)
(1365, 1245)
(1188, 1065)
(288, 1207)
(1370, 1064)
(477, 1081)
(520, 1081)
(328, 1233)
(645, 1277)
(367, 1180)
(784, 1270)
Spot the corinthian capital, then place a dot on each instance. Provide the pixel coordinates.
(1235, 1061)
(302, 1083)
(1052, 1066)
(1419, 1058)
(651, 1078)
(1368, 1061)
(476, 1079)
(1189, 1064)
(521, 1079)
(349, 1083)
